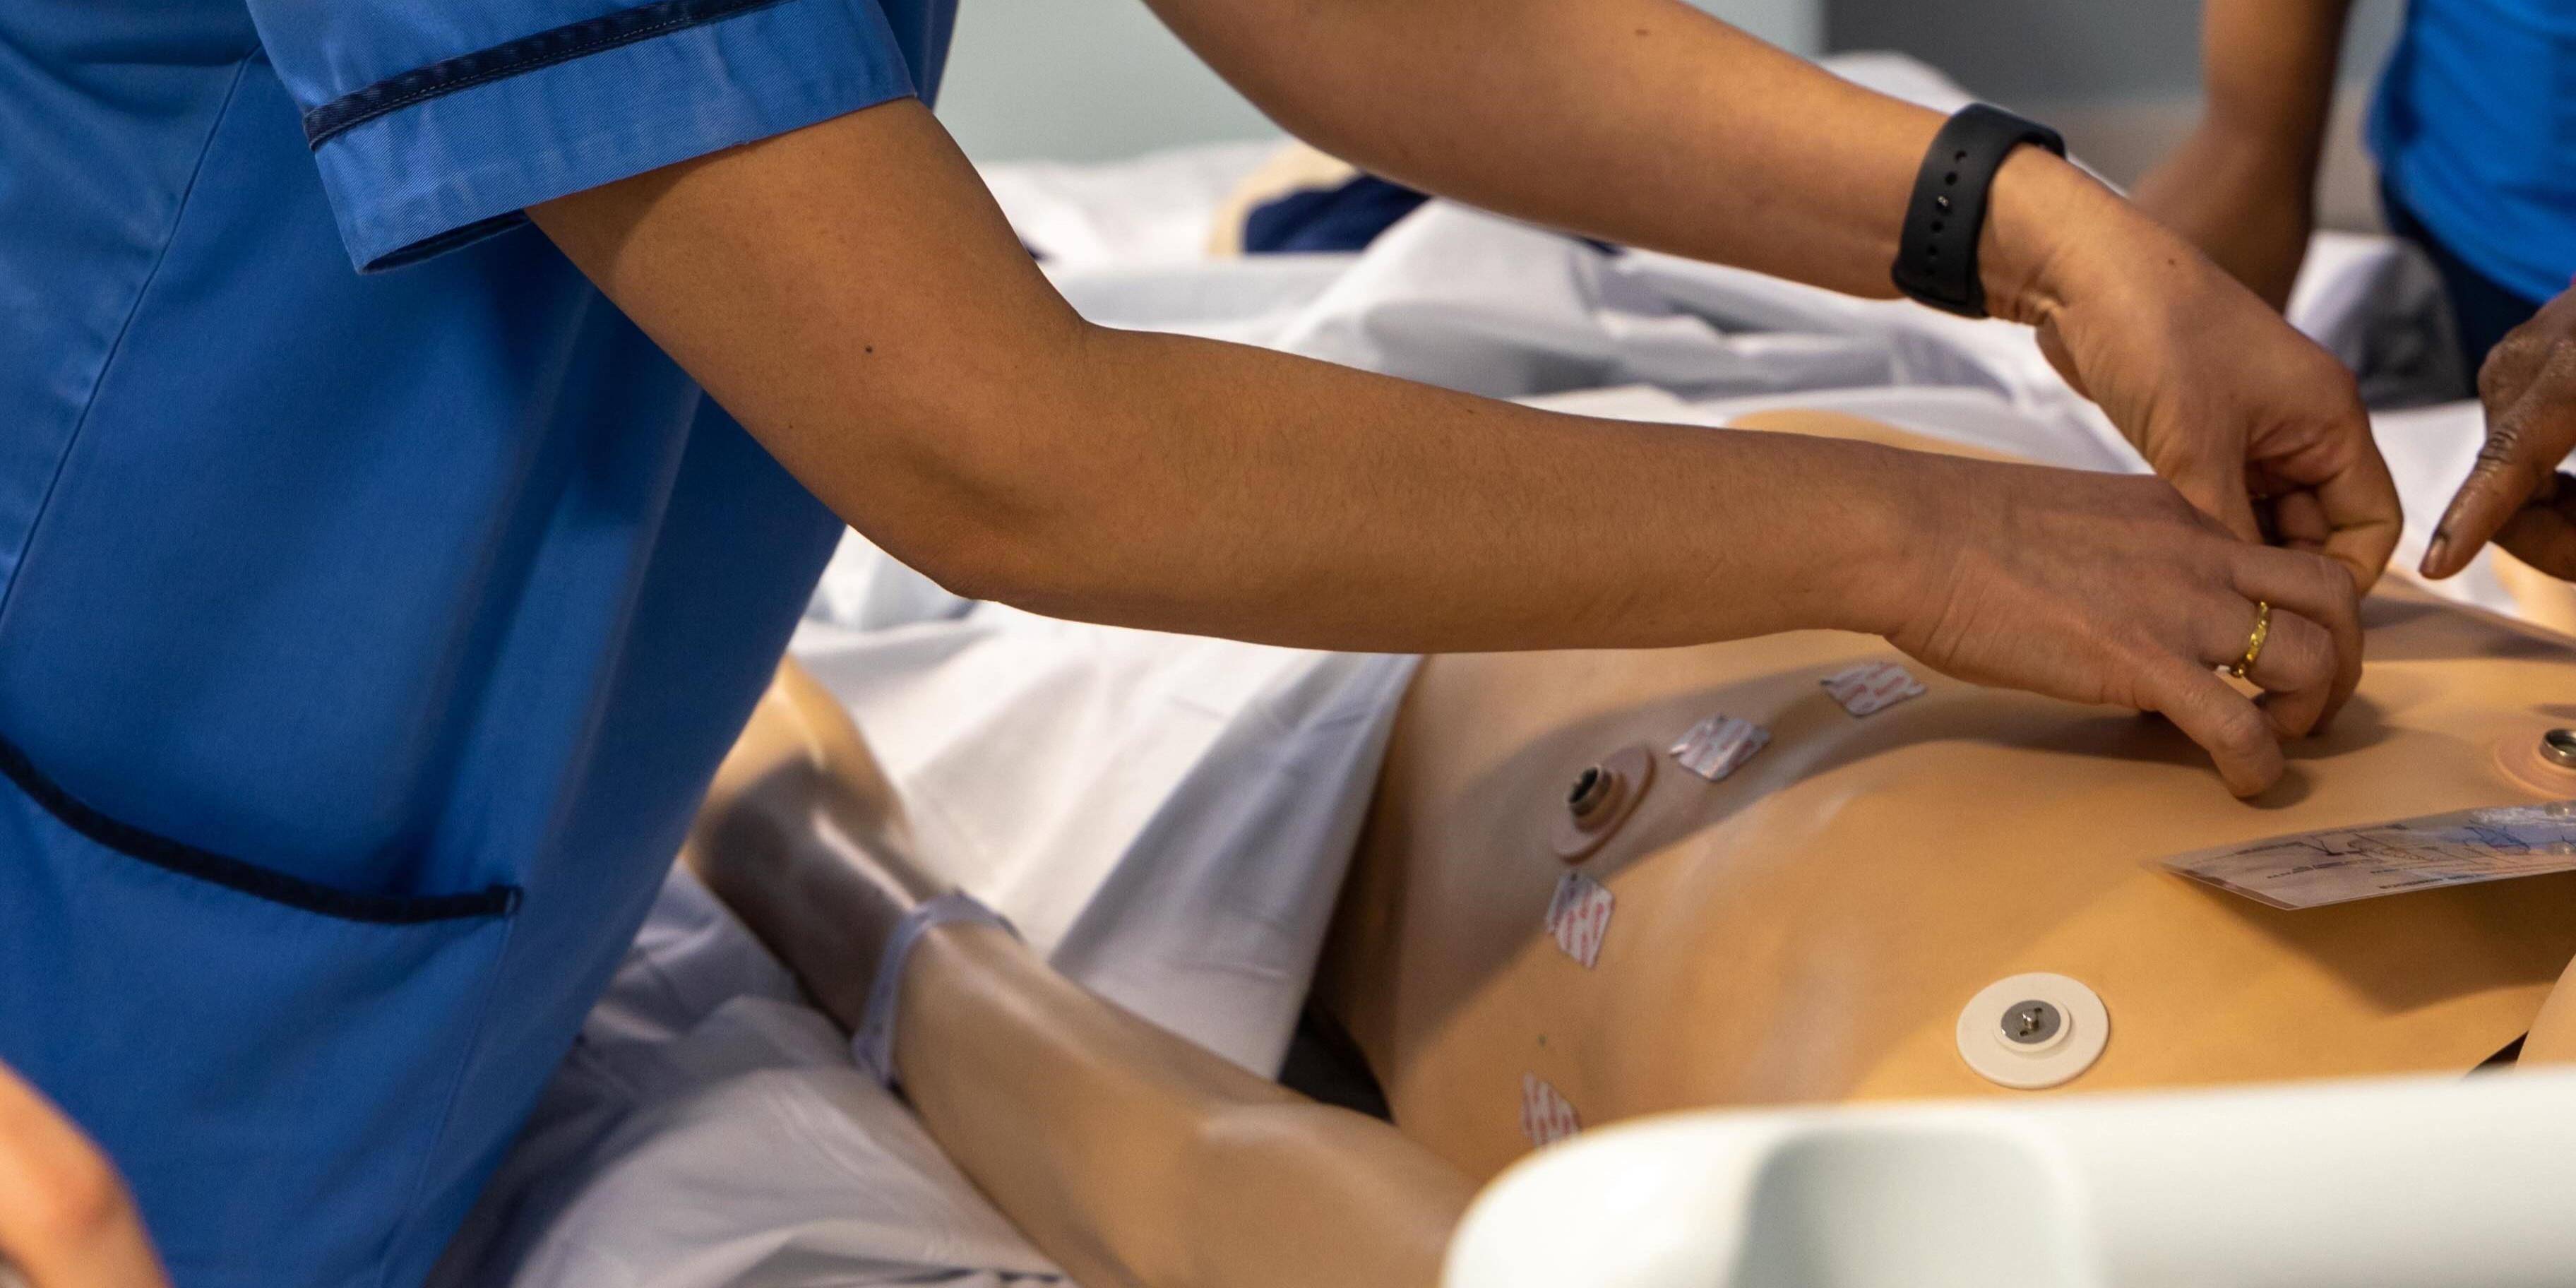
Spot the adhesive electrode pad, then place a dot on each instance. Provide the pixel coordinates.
(2034, 1031)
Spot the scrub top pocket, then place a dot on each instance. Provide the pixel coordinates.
(271, 1062)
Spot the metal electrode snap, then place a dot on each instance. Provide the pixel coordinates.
(2558, 747)
(2032, 1023)
(1592, 789)
(1600, 798)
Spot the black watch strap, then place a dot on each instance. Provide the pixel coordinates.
(1936, 261)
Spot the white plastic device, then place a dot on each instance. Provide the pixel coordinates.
(2384, 1184)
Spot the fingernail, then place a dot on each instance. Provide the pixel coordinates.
(2436, 556)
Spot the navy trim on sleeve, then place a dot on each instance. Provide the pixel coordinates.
(246, 878)
(432, 247)
(527, 54)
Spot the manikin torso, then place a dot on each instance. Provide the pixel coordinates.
(1810, 927)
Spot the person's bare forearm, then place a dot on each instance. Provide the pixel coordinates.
(2270, 68)
(2243, 186)
(851, 294)
(1643, 121)
(952, 407)
(1297, 502)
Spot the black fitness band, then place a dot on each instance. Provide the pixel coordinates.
(1936, 261)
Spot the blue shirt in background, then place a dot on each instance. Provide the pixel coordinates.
(2475, 131)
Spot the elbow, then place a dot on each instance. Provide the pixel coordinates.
(993, 485)
(1011, 536)
(973, 565)
(975, 557)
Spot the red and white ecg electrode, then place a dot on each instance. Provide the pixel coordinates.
(1578, 918)
(1872, 687)
(1715, 747)
(1546, 1117)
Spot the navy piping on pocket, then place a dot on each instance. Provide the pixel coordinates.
(233, 874)
(526, 54)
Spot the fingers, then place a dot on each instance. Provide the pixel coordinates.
(2332, 493)
(2309, 664)
(2362, 517)
(2299, 522)
(2235, 733)
(65, 1218)
(2296, 670)
(2216, 487)
(2526, 439)
(2316, 627)
(2543, 533)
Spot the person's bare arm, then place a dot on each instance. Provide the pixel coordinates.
(1651, 123)
(1131, 1156)
(851, 293)
(1643, 121)
(2242, 187)
(853, 296)
(66, 1220)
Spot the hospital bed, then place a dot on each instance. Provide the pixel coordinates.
(1167, 818)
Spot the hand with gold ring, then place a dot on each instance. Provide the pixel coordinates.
(2114, 589)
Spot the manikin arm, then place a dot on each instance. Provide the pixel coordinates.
(2552, 1039)
(1131, 1156)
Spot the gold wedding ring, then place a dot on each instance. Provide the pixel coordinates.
(2254, 642)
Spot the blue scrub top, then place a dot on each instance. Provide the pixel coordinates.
(375, 600)
(2475, 131)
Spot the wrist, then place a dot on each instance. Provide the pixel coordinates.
(1894, 549)
(2047, 226)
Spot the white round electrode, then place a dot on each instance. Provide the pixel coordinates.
(2034, 1031)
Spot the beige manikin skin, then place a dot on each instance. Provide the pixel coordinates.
(1810, 928)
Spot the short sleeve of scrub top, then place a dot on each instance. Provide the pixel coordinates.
(436, 122)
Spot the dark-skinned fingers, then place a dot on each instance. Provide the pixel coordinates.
(2543, 533)
(2525, 442)
(2321, 593)
(2226, 724)
(2510, 366)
